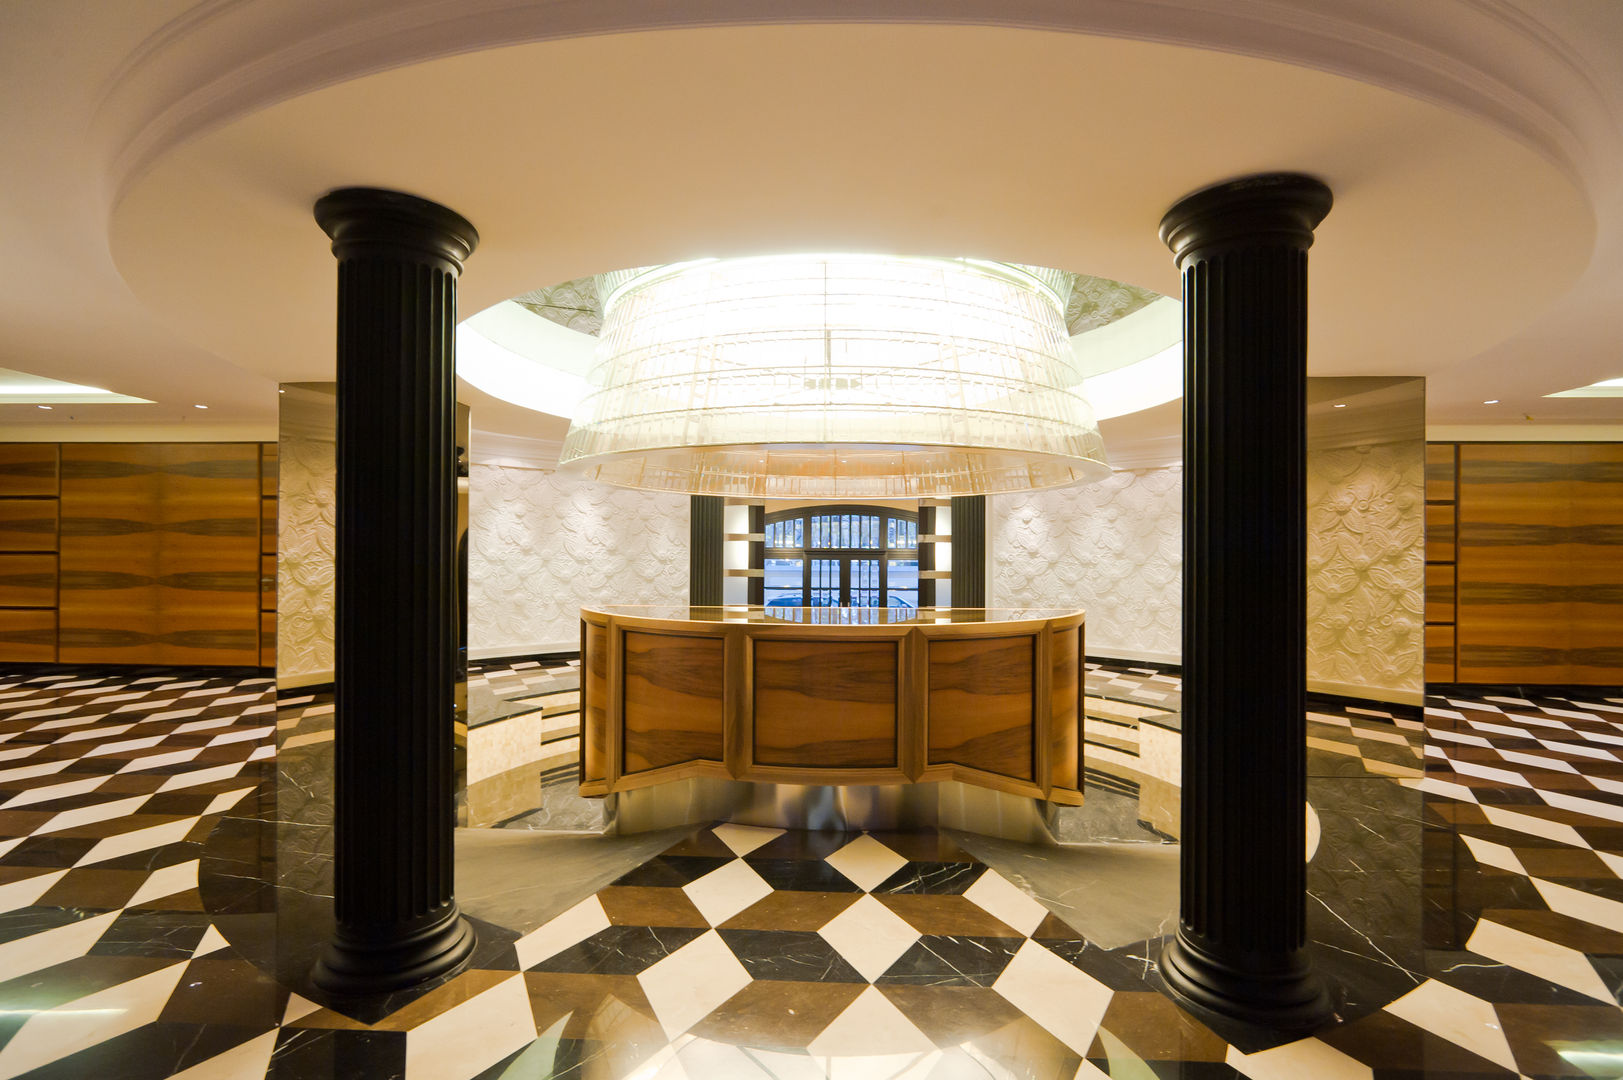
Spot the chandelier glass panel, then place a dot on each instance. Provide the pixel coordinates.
(835, 376)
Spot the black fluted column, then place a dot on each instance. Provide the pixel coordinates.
(1241, 948)
(397, 919)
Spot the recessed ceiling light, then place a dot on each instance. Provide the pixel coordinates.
(1491, 401)
(42, 406)
(281, 391)
(1339, 405)
(199, 406)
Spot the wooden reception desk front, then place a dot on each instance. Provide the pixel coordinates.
(840, 696)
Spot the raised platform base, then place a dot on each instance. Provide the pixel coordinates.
(845, 807)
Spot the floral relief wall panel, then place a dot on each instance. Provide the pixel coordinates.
(1366, 505)
(1114, 548)
(543, 544)
(306, 532)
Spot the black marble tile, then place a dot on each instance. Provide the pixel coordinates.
(149, 1052)
(789, 956)
(671, 870)
(181, 851)
(309, 1054)
(1131, 967)
(620, 950)
(1493, 981)
(801, 875)
(932, 877)
(57, 852)
(939, 960)
(171, 934)
(23, 921)
(802, 844)
(1186, 1070)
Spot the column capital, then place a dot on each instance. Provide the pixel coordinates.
(363, 220)
(1270, 208)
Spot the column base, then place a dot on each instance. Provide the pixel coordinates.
(1294, 999)
(353, 965)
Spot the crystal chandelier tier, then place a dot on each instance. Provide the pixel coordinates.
(835, 376)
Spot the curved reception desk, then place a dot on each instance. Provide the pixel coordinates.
(807, 698)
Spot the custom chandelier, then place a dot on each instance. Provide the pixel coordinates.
(835, 376)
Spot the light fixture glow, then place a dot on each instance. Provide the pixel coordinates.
(1491, 401)
(1603, 388)
(852, 376)
(1339, 405)
(199, 406)
(46, 407)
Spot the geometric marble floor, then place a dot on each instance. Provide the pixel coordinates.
(1469, 868)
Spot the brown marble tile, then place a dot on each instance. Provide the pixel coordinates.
(464, 987)
(1053, 928)
(642, 905)
(8, 874)
(947, 915)
(100, 830)
(926, 846)
(704, 842)
(1561, 929)
(92, 887)
(1562, 862)
(21, 822)
(1386, 1042)
(607, 1007)
(1539, 1033)
(72, 980)
(786, 909)
(951, 1015)
(1154, 1029)
(777, 1015)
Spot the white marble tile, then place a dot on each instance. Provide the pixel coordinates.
(1488, 772)
(84, 815)
(14, 752)
(1537, 761)
(166, 881)
(298, 1008)
(225, 800)
(470, 1037)
(743, 839)
(23, 892)
(693, 981)
(1500, 729)
(211, 941)
(1536, 956)
(870, 1026)
(145, 743)
(571, 928)
(866, 861)
(1488, 853)
(201, 776)
(1593, 807)
(1297, 1061)
(1457, 737)
(1533, 826)
(75, 1025)
(779, 1065)
(162, 761)
(111, 847)
(870, 936)
(726, 890)
(1614, 863)
(203, 725)
(1000, 897)
(54, 791)
(1610, 786)
(243, 735)
(1589, 907)
(1463, 1019)
(1313, 834)
(1433, 786)
(1067, 1002)
(25, 954)
(247, 1060)
(38, 768)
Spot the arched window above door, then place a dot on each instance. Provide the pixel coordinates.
(842, 556)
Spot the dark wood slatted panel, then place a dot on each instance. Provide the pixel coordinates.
(267, 526)
(1440, 532)
(27, 636)
(822, 704)
(28, 581)
(1540, 574)
(594, 701)
(1065, 757)
(267, 639)
(1440, 466)
(980, 710)
(28, 468)
(1439, 592)
(673, 692)
(27, 524)
(160, 559)
(269, 458)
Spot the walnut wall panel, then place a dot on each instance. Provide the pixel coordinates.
(27, 524)
(795, 681)
(160, 553)
(1540, 563)
(28, 468)
(673, 699)
(981, 704)
(27, 636)
(1442, 552)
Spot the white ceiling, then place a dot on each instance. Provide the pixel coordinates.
(162, 159)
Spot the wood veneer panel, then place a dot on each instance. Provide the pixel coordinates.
(27, 524)
(267, 526)
(269, 463)
(160, 559)
(1440, 532)
(28, 581)
(27, 637)
(1440, 654)
(673, 699)
(594, 701)
(1595, 646)
(1514, 615)
(980, 711)
(267, 639)
(826, 704)
(28, 468)
(1440, 596)
(1440, 471)
(1065, 757)
(267, 583)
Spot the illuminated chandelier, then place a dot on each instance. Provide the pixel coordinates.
(835, 376)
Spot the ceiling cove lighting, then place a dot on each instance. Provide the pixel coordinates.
(835, 376)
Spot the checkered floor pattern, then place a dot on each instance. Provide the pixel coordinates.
(746, 952)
